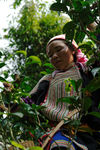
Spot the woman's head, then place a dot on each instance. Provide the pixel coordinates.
(62, 54)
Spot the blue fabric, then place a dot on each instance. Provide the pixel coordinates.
(60, 136)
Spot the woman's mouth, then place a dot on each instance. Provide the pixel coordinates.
(57, 62)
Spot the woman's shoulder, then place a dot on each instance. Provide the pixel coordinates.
(46, 77)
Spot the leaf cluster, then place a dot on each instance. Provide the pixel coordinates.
(81, 13)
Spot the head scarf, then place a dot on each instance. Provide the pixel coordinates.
(81, 57)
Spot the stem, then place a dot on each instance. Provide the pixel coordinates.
(4, 138)
(11, 133)
(38, 118)
(48, 135)
(71, 3)
(10, 128)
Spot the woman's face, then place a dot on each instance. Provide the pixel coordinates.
(60, 55)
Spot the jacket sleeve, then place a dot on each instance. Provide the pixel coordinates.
(38, 93)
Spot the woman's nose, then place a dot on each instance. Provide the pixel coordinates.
(55, 55)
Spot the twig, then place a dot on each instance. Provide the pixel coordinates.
(10, 128)
(48, 135)
(3, 139)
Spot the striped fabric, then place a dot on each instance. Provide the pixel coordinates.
(57, 90)
(62, 141)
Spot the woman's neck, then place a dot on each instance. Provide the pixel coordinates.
(58, 71)
(68, 67)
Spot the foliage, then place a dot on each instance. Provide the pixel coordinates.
(80, 102)
(81, 13)
(29, 38)
(16, 3)
(19, 121)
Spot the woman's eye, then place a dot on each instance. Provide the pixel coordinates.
(59, 49)
(50, 55)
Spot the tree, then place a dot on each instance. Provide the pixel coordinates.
(34, 28)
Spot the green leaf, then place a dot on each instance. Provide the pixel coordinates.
(93, 85)
(58, 1)
(95, 71)
(77, 5)
(59, 7)
(68, 100)
(75, 123)
(17, 145)
(49, 71)
(67, 3)
(48, 65)
(21, 52)
(86, 103)
(18, 114)
(91, 1)
(16, 3)
(67, 85)
(86, 17)
(78, 84)
(99, 106)
(84, 3)
(36, 107)
(73, 82)
(91, 61)
(2, 113)
(97, 114)
(26, 107)
(0, 54)
(35, 148)
(43, 72)
(69, 30)
(35, 59)
(2, 65)
(79, 36)
(86, 45)
(2, 79)
(86, 129)
(6, 74)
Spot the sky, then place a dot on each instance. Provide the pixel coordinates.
(6, 11)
